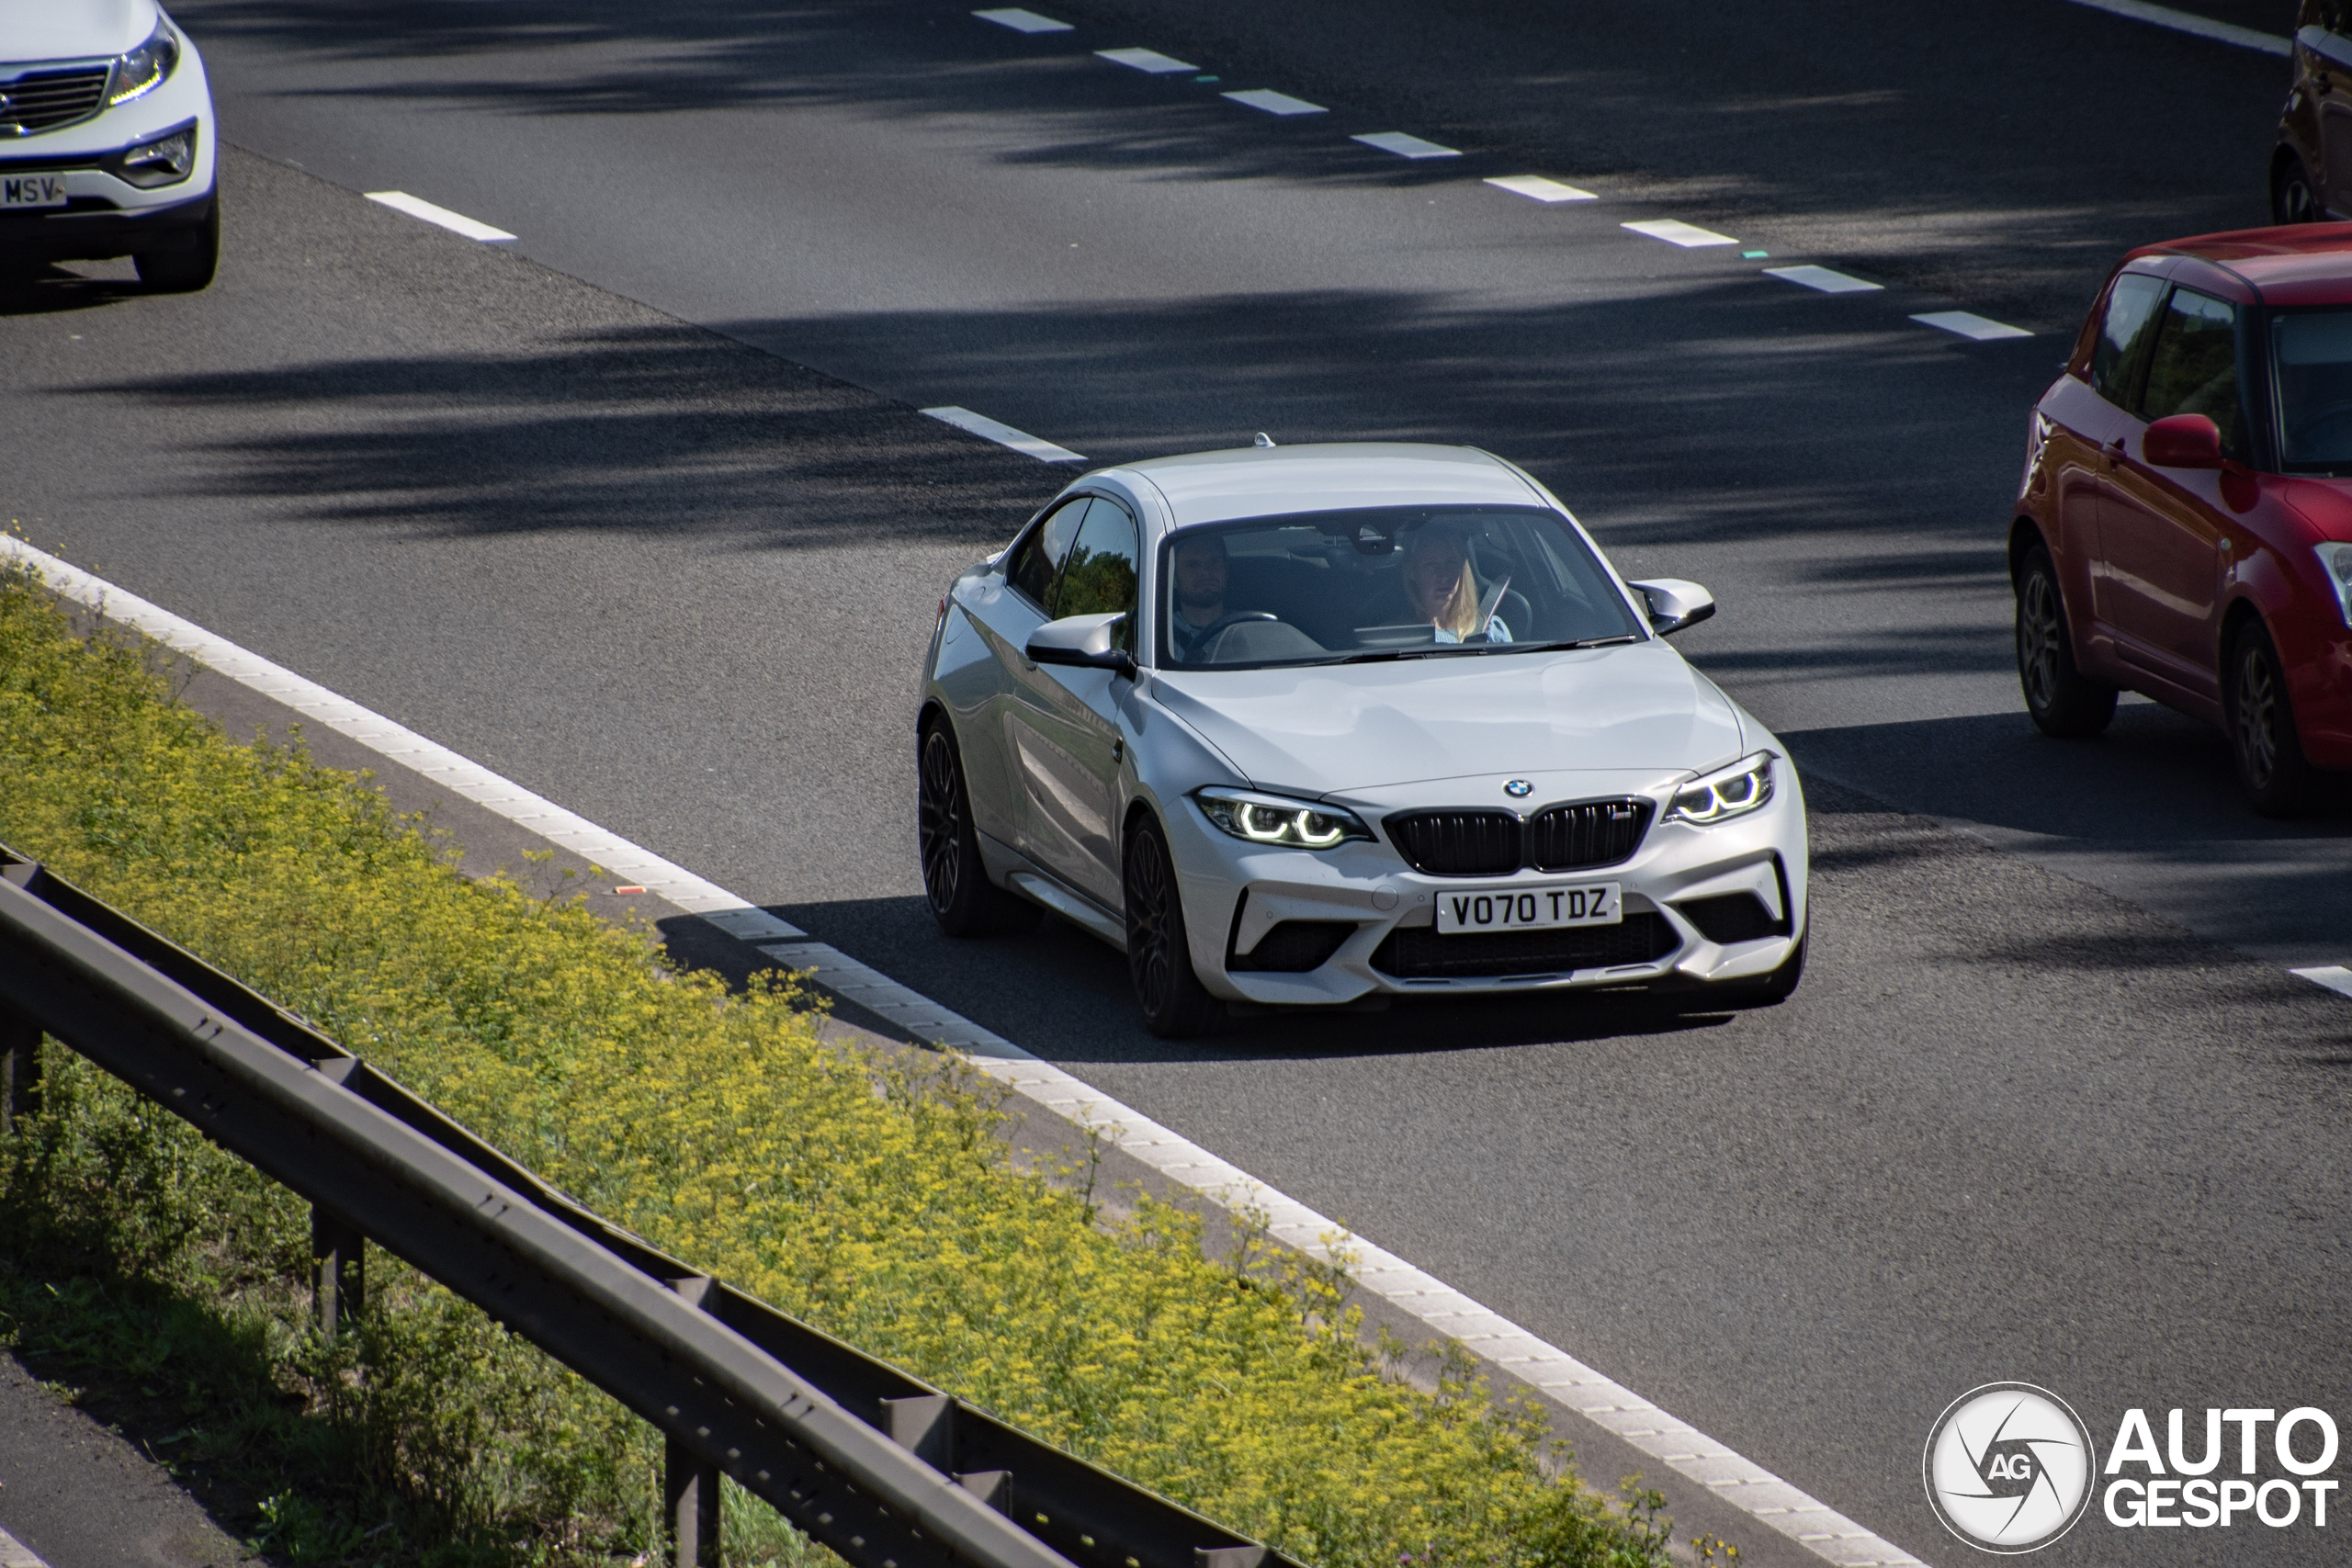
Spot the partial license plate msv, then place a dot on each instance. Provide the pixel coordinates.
(1530, 909)
(32, 190)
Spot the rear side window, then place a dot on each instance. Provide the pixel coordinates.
(1100, 576)
(2194, 366)
(1039, 556)
(2123, 334)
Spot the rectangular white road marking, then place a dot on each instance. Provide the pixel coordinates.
(1145, 60)
(1967, 323)
(1824, 279)
(2335, 977)
(1022, 21)
(1675, 231)
(1004, 435)
(401, 201)
(1429, 1300)
(1537, 188)
(2202, 27)
(1406, 146)
(1275, 103)
(15, 1553)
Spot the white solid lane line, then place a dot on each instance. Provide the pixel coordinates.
(1145, 60)
(1004, 435)
(1824, 279)
(15, 1553)
(1406, 146)
(1969, 324)
(1275, 103)
(1022, 21)
(1441, 1308)
(1535, 187)
(2202, 27)
(2335, 977)
(457, 222)
(1675, 231)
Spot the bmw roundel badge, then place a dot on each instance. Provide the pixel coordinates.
(1519, 789)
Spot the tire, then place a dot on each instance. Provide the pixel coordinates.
(2062, 700)
(187, 267)
(955, 879)
(1175, 1005)
(2270, 757)
(2293, 199)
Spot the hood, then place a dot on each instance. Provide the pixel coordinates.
(34, 31)
(2324, 504)
(1348, 729)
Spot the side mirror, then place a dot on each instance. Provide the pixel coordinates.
(1674, 603)
(2182, 441)
(1084, 641)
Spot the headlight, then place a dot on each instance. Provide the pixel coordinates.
(1733, 792)
(164, 160)
(2335, 561)
(1273, 820)
(143, 69)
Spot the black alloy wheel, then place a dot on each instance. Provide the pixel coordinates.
(2291, 199)
(186, 264)
(955, 880)
(2062, 700)
(2262, 727)
(1175, 1005)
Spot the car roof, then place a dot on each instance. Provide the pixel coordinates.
(2304, 264)
(1264, 481)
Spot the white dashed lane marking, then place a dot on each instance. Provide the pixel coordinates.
(1675, 231)
(1022, 21)
(1273, 102)
(1535, 187)
(2334, 977)
(1406, 146)
(2200, 27)
(1969, 324)
(457, 223)
(1824, 279)
(1004, 435)
(1145, 60)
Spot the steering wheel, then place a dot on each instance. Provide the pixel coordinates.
(1216, 629)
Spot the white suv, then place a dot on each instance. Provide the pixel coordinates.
(107, 140)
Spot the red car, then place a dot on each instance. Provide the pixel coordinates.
(2185, 525)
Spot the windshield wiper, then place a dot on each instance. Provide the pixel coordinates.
(1447, 649)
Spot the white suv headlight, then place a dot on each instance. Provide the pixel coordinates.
(143, 69)
(1275, 821)
(2336, 561)
(1731, 792)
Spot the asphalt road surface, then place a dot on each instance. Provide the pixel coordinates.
(2048, 1106)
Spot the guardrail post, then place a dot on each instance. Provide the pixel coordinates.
(689, 1485)
(19, 1069)
(338, 1271)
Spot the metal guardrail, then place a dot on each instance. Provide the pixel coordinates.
(882, 1468)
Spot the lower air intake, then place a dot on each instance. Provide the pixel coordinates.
(1419, 952)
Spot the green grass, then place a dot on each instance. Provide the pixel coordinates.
(868, 1194)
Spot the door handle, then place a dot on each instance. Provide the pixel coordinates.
(2113, 450)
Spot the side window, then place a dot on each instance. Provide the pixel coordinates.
(1032, 565)
(1100, 577)
(2194, 367)
(2131, 308)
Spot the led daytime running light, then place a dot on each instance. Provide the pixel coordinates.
(143, 69)
(1276, 822)
(1739, 789)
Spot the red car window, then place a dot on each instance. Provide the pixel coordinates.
(2115, 358)
(2194, 367)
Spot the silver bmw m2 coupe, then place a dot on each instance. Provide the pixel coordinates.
(1297, 726)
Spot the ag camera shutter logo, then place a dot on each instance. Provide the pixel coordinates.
(2009, 1467)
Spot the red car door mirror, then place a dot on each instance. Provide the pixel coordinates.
(2182, 441)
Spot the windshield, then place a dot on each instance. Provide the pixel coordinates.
(1382, 582)
(2313, 350)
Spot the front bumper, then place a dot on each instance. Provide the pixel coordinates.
(104, 214)
(1239, 896)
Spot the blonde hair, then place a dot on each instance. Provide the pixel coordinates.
(1459, 613)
